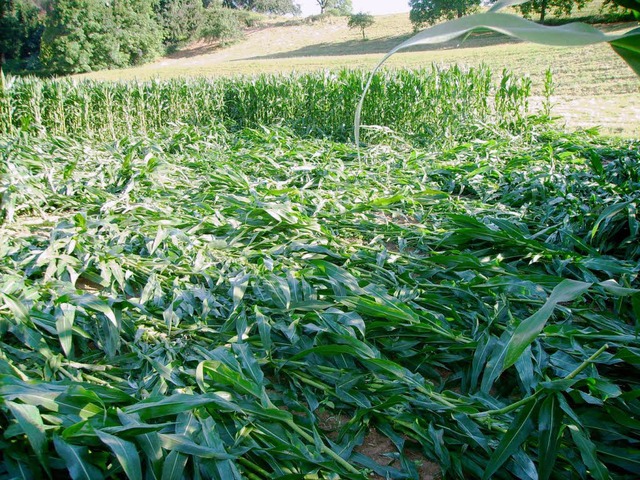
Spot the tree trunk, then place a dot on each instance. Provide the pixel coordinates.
(543, 10)
(363, 37)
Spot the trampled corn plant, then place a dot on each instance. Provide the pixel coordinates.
(202, 303)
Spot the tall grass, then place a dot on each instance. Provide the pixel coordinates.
(435, 104)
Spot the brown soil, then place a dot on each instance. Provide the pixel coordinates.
(378, 447)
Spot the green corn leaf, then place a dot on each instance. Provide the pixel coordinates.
(472, 431)
(19, 468)
(625, 458)
(177, 403)
(152, 447)
(608, 213)
(249, 362)
(19, 311)
(91, 302)
(125, 452)
(530, 328)
(76, 460)
(182, 444)
(516, 435)
(174, 465)
(65, 317)
(29, 419)
(239, 286)
(628, 47)
(331, 350)
(386, 308)
(549, 425)
(588, 453)
(614, 288)
(224, 375)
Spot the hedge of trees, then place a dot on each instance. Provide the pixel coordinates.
(75, 36)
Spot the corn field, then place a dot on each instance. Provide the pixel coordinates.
(435, 105)
(204, 279)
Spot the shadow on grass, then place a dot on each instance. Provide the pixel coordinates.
(195, 50)
(383, 45)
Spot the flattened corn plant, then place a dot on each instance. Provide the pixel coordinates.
(196, 303)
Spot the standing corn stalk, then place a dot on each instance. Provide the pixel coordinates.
(5, 106)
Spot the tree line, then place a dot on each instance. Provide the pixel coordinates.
(76, 36)
(428, 12)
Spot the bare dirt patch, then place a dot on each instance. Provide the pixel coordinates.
(378, 447)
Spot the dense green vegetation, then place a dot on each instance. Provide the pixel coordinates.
(197, 276)
(75, 36)
(319, 103)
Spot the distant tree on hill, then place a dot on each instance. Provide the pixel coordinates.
(222, 24)
(428, 12)
(361, 21)
(557, 7)
(336, 7)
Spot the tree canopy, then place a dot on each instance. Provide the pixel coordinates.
(280, 7)
(86, 35)
(21, 26)
(336, 7)
(428, 12)
(361, 21)
(543, 7)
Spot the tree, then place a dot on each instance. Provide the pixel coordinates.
(336, 7)
(181, 20)
(557, 7)
(74, 36)
(361, 21)
(86, 35)
(222, 24)
(428, 12)
(279, 7)
(136, 30)
(21, 27)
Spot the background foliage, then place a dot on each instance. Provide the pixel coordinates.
(428, 12)
(557, 7)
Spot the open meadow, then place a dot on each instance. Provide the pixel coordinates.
(205, 278)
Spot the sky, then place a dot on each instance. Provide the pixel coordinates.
(374, 7)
